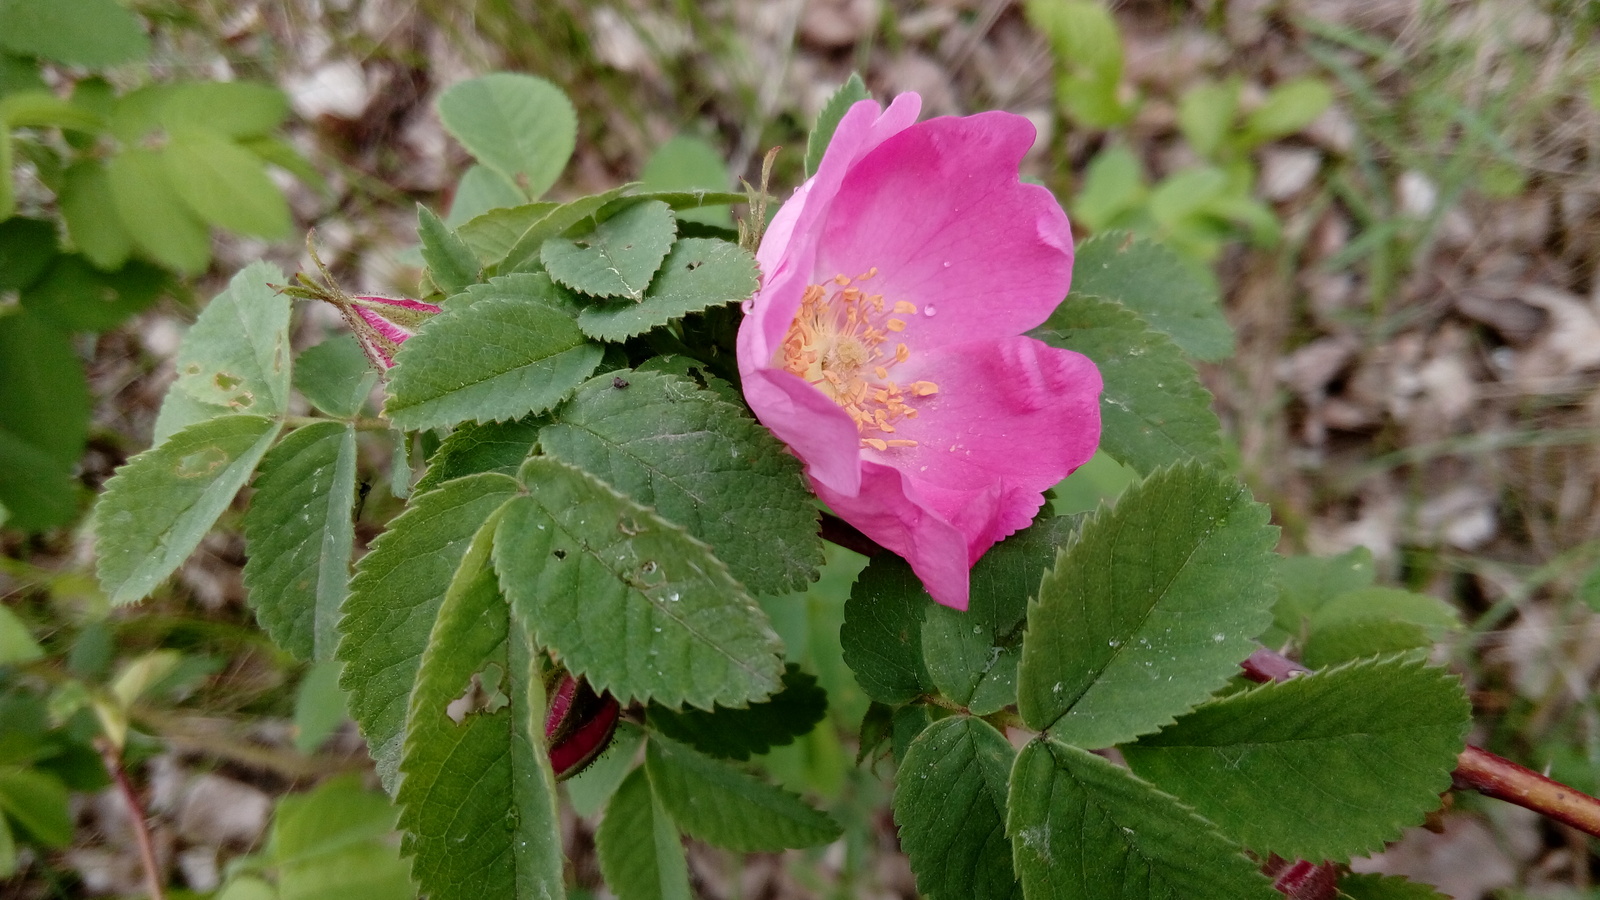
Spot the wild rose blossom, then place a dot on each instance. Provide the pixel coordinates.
(885, 345)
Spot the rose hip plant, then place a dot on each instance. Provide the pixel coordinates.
(639, 432)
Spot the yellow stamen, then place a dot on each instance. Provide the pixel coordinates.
(896, 325)
(905, 308)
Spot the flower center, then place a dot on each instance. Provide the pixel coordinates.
(840, 342)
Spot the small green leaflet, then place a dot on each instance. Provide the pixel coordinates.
(235, 109)
(451, 263)
(1385, 887)
(849, 93)
(76, 296)
(159, 505)
(523, 256)
(394, 599)
(335, 376)
(1348, 758)
(737, 733)
(1177, 297)
(1374, 620)
(703, 464)
(235, 358)
(722, 805)
(520, 126)
(337, 841)
(27, 249)
(225, 184)
(950, 804)
(688, 163)
(37, 801)
(156, 217)
(629, 601)
(90, 33)
(698, 273)
(641, 855)
(17, 645)
(1305, 583)
(319, 706)
(84, 198)
(1153, 409)
(493, 233)
(618, 257)
(495, 359)
(882, 633)
(1149, 611)
(478, 796)
(44, 422)
(473, 448)
(298, 537)
(480, 190)
(1084, 828)
(591, 789)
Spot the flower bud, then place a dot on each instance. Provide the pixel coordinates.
(578, 725)
(380, 324)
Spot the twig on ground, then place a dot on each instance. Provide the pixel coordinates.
(112, 758)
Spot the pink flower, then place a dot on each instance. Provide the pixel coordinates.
(885, 346)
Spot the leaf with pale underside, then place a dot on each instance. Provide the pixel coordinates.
(1149, 611)
(1084, 828)
(950, 803)
(451, 263)
(1176, 296)
(641, 855)
(521, 126)
(500, 358)
(720, 804)
(703, 464)
(163, 501)
(618, 257)
(335, 376)
(628, 600)
(298, 535)
(235, 358)
(738, 733)
(1349, 756)
(394, 599)
(1153, 409)
(697, 274)
(478, 797)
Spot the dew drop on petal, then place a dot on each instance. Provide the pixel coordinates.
(947, 264)
(929, 310)
(748, 305)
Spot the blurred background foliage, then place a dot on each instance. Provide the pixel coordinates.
(1400, 198)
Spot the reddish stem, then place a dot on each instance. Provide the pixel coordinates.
(1476, 769)
(141, 827)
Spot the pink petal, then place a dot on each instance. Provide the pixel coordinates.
(888, 510)
(1011, 418)
(383, 326)
(813, 426)
(939, 211)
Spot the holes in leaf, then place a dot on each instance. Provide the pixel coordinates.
(559, 553)
(482, 695)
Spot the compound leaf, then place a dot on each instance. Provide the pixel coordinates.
(1177, 297)
(697, 274)
(722, 805)
(641, 855)
(618, 257)
(950, 803)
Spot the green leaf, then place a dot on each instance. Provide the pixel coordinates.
(618, 257)
(882, 633)
(394, 599)
(38, 802)
(230, 109)
(1373, 620)
(688, 163)
(1113, 186)
(8, 850)
(44, 422)
(1086, 829)
(714, 802)
(335, 376)
(629, 601)
(94, 33)
(480, 190)
(478, 796)
(153, 212)
(640, 853)
(493, 233)
(18, 646)
(1384, 887)
(336, 843)
(159, 505)
(516, 351)
(1088, 53)
(86, 201)
(76, 296)
(848, 94)
(1206, 115)
(703, 464)
(698, 273)
(738, 733)
(225, 184)
(235, 358)
(1305, 583)
(522, 127)
(27, 248)
(1149, 611)
(451, 263)
(972, 656)
(524, 253)
(298, 533)
(245, 887)
(8, 195)
(592, 788)
(1348, 757)
(1153, 409)
(473, 448)
(1288, 108)
(319, 706)
(1177, 297)
(950, 804)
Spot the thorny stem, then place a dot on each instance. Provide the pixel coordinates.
(112, 758)
(1476, 769)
